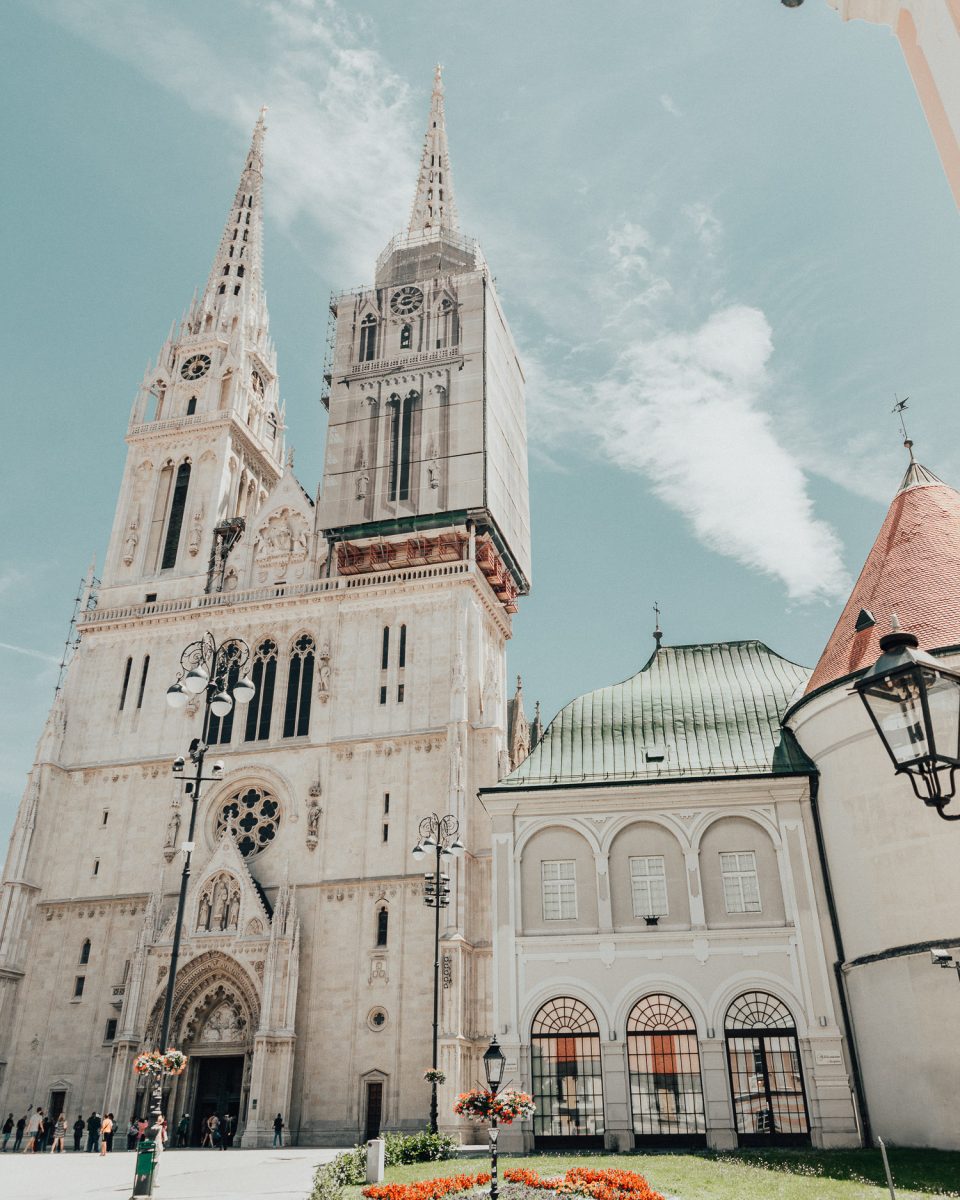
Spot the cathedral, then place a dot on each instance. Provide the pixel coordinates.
(697, 908)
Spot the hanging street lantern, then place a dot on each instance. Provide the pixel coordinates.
(914, 704)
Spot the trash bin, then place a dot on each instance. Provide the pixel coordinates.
(146, 1165)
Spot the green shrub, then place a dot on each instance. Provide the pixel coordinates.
(346, 1170)
(418, 1147)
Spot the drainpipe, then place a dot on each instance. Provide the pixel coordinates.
(838, 966)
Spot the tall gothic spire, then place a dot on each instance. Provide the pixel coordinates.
(236, 278)
(433, 205)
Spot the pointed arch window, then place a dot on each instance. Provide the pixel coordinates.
(368, 338)
(296, 715)
(766, 1076)
(383, 918)
(126, 683)
(406, 337)
(404, 428)
(264, 676)
(567, 1081)
(241, 270)
(143, 680)
(191, 406)
(171, 544)
(85, 953)
(666, 1088)
(220, 729)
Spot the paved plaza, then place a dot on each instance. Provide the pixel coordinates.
(183, 1175)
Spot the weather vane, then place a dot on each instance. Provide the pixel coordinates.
(658, 632)
(900, 407)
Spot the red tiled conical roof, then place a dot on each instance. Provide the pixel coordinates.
(913, 570)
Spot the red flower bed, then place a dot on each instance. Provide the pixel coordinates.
(608, 1184)
(426, 1189)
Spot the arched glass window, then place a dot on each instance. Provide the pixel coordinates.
(85, 953)
(296, 713)
(404, 425)
(666, 1090)
(368, 338)
(171, 543)
(406, 337)
(220, 729)
(567, 1083)
(766, 1078)
(382, 918)
(264, 675)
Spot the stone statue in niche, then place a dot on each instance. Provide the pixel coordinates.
(314, 812)
(233, 916)
(170, 841)
(363, 477)
(131, 541)
(203, 915)
(323, 672)
(196, 533)
(433, 465)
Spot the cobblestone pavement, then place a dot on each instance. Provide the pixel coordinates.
(183, 1175)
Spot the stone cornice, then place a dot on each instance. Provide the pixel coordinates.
(173, 427)
(635, 796)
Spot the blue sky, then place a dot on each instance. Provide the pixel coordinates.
(720, 231)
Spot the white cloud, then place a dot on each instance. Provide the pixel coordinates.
(47, 658)
(667, 102)
(706, 224)
(341, 148)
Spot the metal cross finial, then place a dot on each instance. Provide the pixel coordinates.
(658, 632)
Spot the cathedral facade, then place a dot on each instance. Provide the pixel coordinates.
(377, 615)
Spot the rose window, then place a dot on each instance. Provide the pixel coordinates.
(253, 818)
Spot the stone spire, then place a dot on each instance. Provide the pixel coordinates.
(434, 207)
(236, 277)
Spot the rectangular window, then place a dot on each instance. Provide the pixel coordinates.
(106, 814)
(648, 883)
(385, 648)
(399, 693)
(126, 683)
(386, 833)
(111, 1030)
(78, 987)
(741, 887)
(96, 866)
(383, 695)
(559, 883)
(386, 803)
(402, 650)
(150, 598)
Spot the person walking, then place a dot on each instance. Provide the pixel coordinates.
(106, 1134)
(34, 1125)
(59, 1133)
(229, 1124)
(278, 1130)
(21, 1126)
(133, 1134)
(7, 1131)
(79, 1126)
(93, 1131)
(183, 1130)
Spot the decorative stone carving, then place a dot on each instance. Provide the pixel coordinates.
(219, 906)
(280, 550)
(433, 465)
(196, 533)
(323, 672)
(223, 1025)
(131, 541)
(170, 842)
(314, 812)
(378, 970)
(363, 477)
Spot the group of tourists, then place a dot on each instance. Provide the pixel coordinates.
(37, 1131)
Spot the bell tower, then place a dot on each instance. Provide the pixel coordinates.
(205, 439)
(426, 456)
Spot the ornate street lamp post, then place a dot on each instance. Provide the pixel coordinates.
(914, 705)
(441, 836)
(493, 1065)
(215, 672)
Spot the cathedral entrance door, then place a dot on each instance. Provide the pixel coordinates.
(219, 1081)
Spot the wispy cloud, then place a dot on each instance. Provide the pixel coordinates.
(667, 102)
(333, 101)
(25, 650)
(706, 224)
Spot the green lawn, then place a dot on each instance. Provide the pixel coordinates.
(760, 1175)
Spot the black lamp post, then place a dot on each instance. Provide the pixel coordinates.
(914, 704)
(493, 1065)
(440, 835)
(216, 673)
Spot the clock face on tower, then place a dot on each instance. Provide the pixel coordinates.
(196, 367)
(406, 300)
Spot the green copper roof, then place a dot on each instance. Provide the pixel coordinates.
(712, 709)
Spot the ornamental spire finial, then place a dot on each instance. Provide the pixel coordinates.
(433, 204)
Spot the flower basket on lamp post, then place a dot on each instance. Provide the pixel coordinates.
(493, 1105)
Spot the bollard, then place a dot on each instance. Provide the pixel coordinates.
(146, 1165)
(375, 1150)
